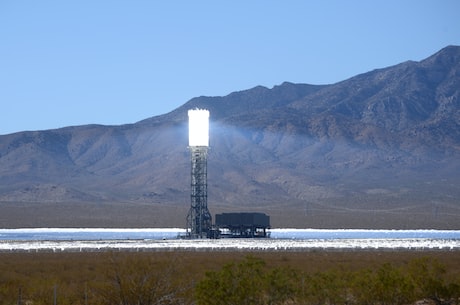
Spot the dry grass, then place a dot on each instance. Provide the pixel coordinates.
(82, 275)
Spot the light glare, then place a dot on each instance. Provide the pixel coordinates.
(198, 127)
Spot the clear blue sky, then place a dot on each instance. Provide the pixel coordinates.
(113, 62)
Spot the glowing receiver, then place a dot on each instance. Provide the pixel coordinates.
(198, 127)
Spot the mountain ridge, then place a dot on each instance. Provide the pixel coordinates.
(384, 140)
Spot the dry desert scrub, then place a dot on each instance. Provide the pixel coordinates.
(359, 277)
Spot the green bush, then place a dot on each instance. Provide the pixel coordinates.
(251, 282)
(248, 282)
(326, 287)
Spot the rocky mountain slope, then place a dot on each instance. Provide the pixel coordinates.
(381, 149)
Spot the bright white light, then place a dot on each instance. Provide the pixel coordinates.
(198, 127)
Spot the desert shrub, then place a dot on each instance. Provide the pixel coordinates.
(9, 292)
(391, 286)
(362, 288)
(249, 282)
(146, 281)
(280, 285)
(361, 278)
(428, 277)
(325, 287)
(421, 278)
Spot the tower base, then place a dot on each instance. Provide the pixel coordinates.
(199, 220)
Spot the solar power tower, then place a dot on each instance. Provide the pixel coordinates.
(199, 219)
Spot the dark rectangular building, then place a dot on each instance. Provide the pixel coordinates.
(244, 225)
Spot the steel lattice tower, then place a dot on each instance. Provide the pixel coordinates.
(199, 219)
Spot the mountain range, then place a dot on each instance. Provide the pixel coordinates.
(378, 150)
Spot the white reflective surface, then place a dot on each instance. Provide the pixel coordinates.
(53, 239)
